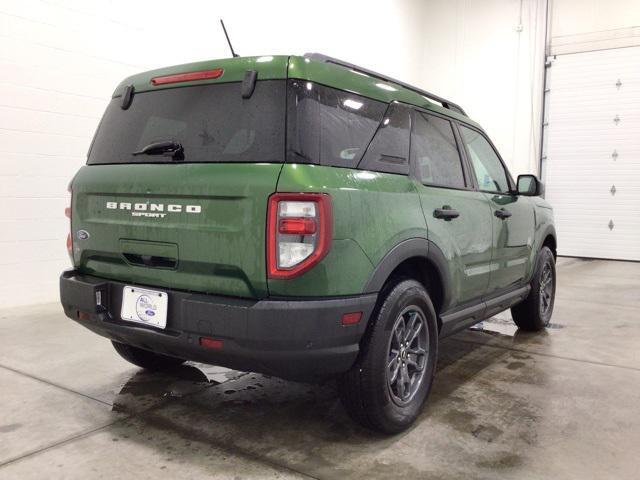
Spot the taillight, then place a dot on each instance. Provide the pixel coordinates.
(67, 213)
(188, 76)
(299, 231)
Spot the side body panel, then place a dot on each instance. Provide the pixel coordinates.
(513, 240)
(466, 241)
(372, 212)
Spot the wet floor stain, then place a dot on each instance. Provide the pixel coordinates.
(486, 433)
(516, 365)
(12, 427)
(500, 461)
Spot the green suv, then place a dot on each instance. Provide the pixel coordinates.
(301, 217)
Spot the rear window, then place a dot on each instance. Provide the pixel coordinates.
(327, 126)
(213, 123)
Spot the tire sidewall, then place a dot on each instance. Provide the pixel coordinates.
(404, 294)
(544, 257)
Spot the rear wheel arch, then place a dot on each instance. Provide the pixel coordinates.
(418, 259)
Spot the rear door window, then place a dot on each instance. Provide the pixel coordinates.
(213, 123)
(327, 126)
(434, 152)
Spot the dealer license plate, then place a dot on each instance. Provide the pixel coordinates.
(144, 306)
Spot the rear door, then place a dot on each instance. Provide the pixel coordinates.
(458, 217)
(196, 222)
(512, 215)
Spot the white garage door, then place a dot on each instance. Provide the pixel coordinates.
(592, 169)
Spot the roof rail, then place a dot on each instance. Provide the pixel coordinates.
(326, 59)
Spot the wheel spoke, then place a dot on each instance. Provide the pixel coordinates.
(394, 371)
(409, 327)
(416, 351)
(414, 361)
(415, 332)
(405, 380)
(396, 336)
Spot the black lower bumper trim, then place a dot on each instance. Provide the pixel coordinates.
(295, 339)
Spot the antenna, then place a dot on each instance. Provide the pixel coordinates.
(228, 41)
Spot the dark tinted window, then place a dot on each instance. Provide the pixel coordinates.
(434, 152)
(328, 126)
(213, 123)
(389, 149)
(488, 168)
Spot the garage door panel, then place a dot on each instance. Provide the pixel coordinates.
(592, 170)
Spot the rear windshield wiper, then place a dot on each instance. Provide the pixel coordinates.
(167, 149)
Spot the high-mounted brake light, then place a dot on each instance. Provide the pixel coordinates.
(299, 232)
(188, 76)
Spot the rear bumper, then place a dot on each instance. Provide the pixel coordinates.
(294, 339)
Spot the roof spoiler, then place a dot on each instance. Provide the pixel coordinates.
(445, 103)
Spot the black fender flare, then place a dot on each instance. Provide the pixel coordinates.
(410, 248)
(550, 229)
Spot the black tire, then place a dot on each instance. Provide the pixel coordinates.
(368, 391)
(145, 358)
(534, 312)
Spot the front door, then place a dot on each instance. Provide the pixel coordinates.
(458, 217)
(512, 215)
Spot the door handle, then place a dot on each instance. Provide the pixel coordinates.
(502, 213)
(446, 213)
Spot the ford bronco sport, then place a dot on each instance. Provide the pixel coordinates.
(304, 218)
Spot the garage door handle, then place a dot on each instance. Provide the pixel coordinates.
(502, 214)
(446, 213)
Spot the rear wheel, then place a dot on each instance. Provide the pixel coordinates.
(389, 383)
(534, 313)
(145, 358)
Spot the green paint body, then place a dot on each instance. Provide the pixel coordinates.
(221, 249)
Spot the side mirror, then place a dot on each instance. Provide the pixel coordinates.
(530, 186)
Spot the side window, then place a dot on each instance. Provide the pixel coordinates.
(327, 126)
(488, 168)
(434, 152)
(389, 150)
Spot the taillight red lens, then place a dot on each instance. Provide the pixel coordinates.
(299, 232)
(188, 76)
(297, 226)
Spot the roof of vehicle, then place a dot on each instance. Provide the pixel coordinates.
(313, 67)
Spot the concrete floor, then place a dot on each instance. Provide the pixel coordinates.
(561, 404)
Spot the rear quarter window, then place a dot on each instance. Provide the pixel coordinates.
(327, 126)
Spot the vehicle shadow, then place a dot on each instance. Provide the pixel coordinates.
(300, 425)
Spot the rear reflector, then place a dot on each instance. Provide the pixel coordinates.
(351, 318)
(188, 77)
(83, 315)
(210, 343)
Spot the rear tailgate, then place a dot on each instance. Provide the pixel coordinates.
(198, 227)
(193, 220)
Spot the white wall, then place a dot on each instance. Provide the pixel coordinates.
(475, 55)
(60, 61)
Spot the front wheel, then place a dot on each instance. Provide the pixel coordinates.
(534, 313)
(389, 383)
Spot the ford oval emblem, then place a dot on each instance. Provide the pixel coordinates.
(82, 234)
